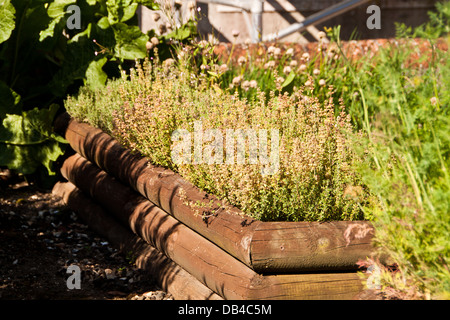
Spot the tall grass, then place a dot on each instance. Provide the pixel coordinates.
(404, 109)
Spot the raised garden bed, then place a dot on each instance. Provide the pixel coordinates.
(231, 255)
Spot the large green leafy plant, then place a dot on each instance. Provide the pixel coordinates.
(42, 60)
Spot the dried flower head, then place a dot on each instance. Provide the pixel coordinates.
(290, 52)
(270, 64)
(242, 60)
(237, 80)
(154, 41)
(277, 52)
(433, 101)
(245, 85)
(271, 50)
(305, 57)
(321, 35)
(203, 44)
(223, 68)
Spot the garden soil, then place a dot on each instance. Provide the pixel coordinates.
(40, 238)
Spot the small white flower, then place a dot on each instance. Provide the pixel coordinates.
(168, 62)
(246, 85)
(223, 68)
(242, 60)
(237, 80)
(293, 63)
(433, 101)
(270, 64)
(316, 72)
(290, 52)
(305, 56)
(203, 43)
(321, 35)
(277, 52)
(287, 70)
(271, 50)
(253, 84)
(322, 82)
(302, 67)
(280, 80)
(235, 33)
(154, 41)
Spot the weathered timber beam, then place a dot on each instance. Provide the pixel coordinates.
(170, 276)
(215, 268)
(211, 265)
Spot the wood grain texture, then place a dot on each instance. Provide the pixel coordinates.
(209, 264)
(310, 246)
(170, 276)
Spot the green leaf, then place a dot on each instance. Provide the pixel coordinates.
(28, 141)
(26, 159)
(103, 23)
(7, 16)
(149, 4)
(120, 10)
(288, 80)
(56, 10)
(95, 76)
(130, 42)
(29, 127)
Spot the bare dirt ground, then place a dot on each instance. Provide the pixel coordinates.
(40, 238)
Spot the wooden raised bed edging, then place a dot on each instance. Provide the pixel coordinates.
(169, 275)
(265, 247)
(205, 261)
